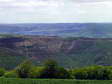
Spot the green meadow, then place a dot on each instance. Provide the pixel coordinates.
(52, 81)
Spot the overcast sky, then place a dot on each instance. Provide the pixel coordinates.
(56, 11)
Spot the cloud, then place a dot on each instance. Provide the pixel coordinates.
(6, 0)
(55, 10)
(90, 0)
(41, 3)
(24, 3)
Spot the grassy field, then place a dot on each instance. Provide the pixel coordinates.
(51, 81)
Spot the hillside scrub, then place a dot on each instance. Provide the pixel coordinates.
(2, 72)
(24, 69)
(11, 74)
(51, 70)
(68, 51)
(93, 73)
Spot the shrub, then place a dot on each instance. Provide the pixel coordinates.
(49, 70)
(36, 72)
(2, 72)
(11, 74)
(62, 73)
(52, 70)
(23, 69)
(104, 74)
(80, 74)
(93, 73)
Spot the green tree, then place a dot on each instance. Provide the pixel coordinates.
(93, 73)
(50, 69)
(62, 73)
(36, 72)
(23, 69)
(2, 71)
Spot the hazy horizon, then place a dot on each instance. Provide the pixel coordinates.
(59, 23)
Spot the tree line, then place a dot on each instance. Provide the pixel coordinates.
(50, 69)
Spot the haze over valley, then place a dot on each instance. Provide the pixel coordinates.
(92, 30)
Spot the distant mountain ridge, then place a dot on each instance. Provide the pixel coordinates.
(92, 30)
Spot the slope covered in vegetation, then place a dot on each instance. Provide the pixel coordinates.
(69, 52)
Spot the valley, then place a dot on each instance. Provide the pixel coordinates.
(70, 52)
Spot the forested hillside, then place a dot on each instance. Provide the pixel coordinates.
(69, 52)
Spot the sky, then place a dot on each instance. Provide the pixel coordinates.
(55, 11)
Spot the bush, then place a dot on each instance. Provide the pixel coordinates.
(80, 74)
(62, 73)
(93, 73)
(36, 72)
(52, 70)
(41, 72)
(104, 74)
(11, 74)
(2, 72)
(24, 69)
(49, 70)
(58, 73)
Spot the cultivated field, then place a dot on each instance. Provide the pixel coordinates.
(52, 81)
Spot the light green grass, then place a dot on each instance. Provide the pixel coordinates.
(52, 81)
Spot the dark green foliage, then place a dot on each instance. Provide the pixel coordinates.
(58, 73)
(11, 74)
(62, 73)
(49, 70)
(23, 69)
(9, 59)
(93, 73)
(52, 70)
(50, 64)
(2, 71)
(36, 72)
